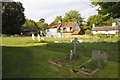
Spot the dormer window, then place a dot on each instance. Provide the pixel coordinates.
(68, 29)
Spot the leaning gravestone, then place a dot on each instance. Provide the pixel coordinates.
(73, 53)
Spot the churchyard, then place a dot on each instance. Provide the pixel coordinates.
(27, 58)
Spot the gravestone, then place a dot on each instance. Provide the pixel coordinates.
(38, 36)
(96, 54)
(73, 53)
(75, 42)
(33, 36)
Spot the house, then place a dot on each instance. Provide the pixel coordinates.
(115, 28)
(51, 31)
(64, 29)
(106, 30)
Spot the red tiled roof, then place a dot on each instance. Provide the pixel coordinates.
(68, 24)
(52, 26)
(106, 28)
(64, 25)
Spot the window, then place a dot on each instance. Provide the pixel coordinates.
(68, 29)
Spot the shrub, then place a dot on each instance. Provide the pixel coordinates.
(88, 32)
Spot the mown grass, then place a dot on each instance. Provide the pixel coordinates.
(25, 58)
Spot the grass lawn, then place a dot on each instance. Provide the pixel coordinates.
(24, 58)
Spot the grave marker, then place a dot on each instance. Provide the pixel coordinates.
(96, 54)
(38, 36)
(33, 36)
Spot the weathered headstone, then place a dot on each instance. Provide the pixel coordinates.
(96, 54)
(38, 36)
(73, 51)
(75, 42)
(33, 36)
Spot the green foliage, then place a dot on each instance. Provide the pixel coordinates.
(73, 16)
(88, 32)
(99, 20)
(12, 17)
(111, 9)
(41, 25)
(95, 19)
(109, 21)
(57, 19)
(30, 25)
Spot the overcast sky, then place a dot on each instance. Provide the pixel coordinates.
(49, 9)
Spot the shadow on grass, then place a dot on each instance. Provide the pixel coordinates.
(25, 62)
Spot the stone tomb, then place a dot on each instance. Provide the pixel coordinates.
(96, 55)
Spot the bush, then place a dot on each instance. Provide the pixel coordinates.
(88, 32)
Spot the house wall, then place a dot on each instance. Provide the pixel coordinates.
(105, 32)
(52, 33)
(66, 34)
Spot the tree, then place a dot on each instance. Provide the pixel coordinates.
(95, 19)
(12, 17)
(99, 20)
(42, 20)
(110, 9)
(57, 19)
(30, 25)
(73, 16)
(41, 25)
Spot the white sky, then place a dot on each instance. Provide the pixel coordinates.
(49, 9)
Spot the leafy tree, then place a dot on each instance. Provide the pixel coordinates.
(30, 25)
(109, 21)
(12, 17)
(73, 16)
(57, 19)
(41, 25)
(95, 19)
(99, 20)
(110, 9)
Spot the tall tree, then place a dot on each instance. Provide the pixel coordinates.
(41, 25)
(12, 17)
(30, 25)
(57, 19)
(95, 19)
(110, 9)
(73, 16)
